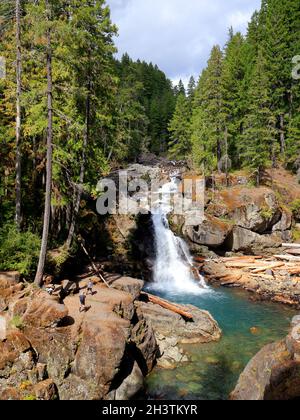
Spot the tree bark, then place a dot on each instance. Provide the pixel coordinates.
(82, 169)
(282, 135)
(18, 116)
(47, 212)
(219, 156)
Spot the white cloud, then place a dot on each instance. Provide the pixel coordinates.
(177, 35)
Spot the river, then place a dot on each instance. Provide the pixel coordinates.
(247, 325)
(215, 368)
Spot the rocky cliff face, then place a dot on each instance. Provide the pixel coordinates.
(274, 373)
(49, 350)
(239, 218)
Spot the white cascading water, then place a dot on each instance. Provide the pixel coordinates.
(173, 264)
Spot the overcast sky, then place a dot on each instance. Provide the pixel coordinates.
(177, 35)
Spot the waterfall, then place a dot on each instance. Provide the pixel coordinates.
(173, 263)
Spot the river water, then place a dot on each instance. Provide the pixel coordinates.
(247, 325)
(215, 368)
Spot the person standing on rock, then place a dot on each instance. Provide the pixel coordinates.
(82, 300)
(90, 287)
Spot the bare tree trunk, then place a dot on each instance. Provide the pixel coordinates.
(82, 170)
(18, 116)
(226, 157)
(282, 136)
(219, 155)
(47, 212)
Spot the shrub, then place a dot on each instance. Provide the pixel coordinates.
(296, 235)
(295, 207)
(17, 322)
(29, 398)
(19, 251)
(266, 213)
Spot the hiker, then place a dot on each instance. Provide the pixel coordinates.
(90, 287)
(82, 300)
(50, 289)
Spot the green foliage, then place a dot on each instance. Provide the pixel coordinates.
(296, 235)
(56, 260)
(17, 322)
(29, 398)
(266, 213)
(295, 207)
(208, 121)
(18, 251)
(179, 127)
(246, 105)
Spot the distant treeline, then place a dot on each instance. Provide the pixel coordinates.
(245, 109)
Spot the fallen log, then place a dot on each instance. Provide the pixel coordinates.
(291, 246)
(233, 278)
(200, 259)
(289, 258)
(294, 271)
(295, 252)
(267, 267)
(242, 258)
(248, 265)
(167, 305)
(95, 268)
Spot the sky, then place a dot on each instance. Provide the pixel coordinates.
(177, 35)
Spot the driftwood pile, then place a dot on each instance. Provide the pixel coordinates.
(276, 267)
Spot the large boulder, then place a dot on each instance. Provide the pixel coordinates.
(212, 232)
(130, 386)
(98, 359)
(143, 337)
(274, 373)
(171, 330)
(129, 285)
(244, 240)
(44, 311)
(255, 209)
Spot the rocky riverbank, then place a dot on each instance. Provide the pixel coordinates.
(270, 279)
(48, 350)
(274, 373)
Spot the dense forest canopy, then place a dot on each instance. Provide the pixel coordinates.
(246, 108)
(70, 112)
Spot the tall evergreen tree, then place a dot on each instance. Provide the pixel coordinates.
(179, 127)
(208, 122)
(258, 148)
(191, 88)
(181, 88)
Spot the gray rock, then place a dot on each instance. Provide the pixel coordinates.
(171, 330)
(285, 223)
(129, 285)
(274, 373)
(133, 384)
(212, 232)
(245, 240)
(296, 320)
